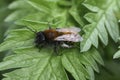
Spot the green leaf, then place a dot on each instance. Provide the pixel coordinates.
(17, 38)
(77, 11)
(41, 23)
(92, 62)
(71, 62)
(39, 5)
(22, 8)
(41, 65)
(58, 16)
(97, 57)
(19, 4)
(92, 56)
(101, 22)
(47, 70)
(77, 63)
(16, 15)
(45, 65)
(117, 54)
(91, 72)
(73, 11)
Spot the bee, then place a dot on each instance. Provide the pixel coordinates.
(58, 37)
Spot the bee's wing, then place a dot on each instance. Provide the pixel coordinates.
(71, 29)
(69, 37)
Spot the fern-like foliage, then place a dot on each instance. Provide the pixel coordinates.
(117, 54)
(21, 8)
(30, 63)
(37, 65)
(103, 22)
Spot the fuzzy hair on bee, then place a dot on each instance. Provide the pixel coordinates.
(58, 37)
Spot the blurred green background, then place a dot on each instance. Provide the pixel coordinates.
(110, 71)
(4, 11)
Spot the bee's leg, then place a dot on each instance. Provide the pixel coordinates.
(49, 25)
(64, 45)
(57, 28)
(40, 46)
(56, 47)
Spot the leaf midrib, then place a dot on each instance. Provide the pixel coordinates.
(102, 15)
(72, 66)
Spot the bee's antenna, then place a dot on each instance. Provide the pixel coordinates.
(49, 25)
(34, 31)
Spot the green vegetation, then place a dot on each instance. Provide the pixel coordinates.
(95, 59)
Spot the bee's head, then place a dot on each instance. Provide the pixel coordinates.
(40, 38)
